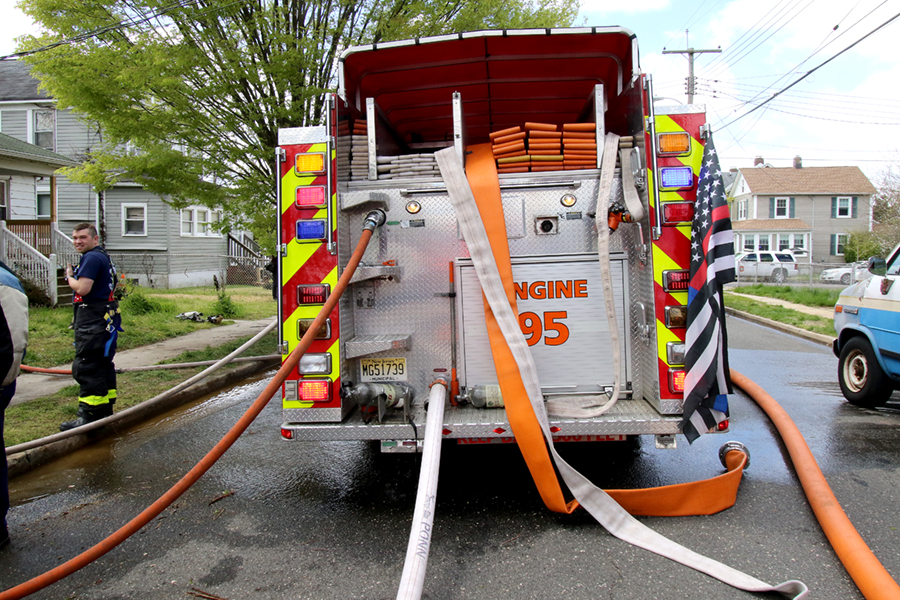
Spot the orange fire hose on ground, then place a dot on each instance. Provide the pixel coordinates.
(45, 579)
(867, 572)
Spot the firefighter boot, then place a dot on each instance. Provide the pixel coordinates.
(87, 414)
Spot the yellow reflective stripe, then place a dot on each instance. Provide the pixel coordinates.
(94, 400)
(663, 336)
(296, 257)
(112, 395)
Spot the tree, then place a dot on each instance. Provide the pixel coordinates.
(190, 94)
(886, 211)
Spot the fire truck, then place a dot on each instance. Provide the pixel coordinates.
(547, 102)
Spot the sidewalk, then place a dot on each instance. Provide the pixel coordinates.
(30, 386)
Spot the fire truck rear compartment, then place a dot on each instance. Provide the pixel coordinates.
(400, 312)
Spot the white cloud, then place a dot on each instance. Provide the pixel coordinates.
(13, 24)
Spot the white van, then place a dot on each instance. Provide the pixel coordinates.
(867, 322)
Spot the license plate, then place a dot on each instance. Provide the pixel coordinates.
(382, 369)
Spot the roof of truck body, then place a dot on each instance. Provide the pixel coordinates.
(504, 78)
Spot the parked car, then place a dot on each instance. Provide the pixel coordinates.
(777, 265)
(868, 334)
(845, 275)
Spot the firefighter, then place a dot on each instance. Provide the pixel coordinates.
(97, 325)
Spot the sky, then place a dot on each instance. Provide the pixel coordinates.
(846, 113)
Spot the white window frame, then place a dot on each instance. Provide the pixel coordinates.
(4, 199)
(35, 131)
(195, 224)
(849, 208)
(798, 241)
(37, 206)
(750, 242)
(125, 207)
(784, 242)
(839, 244)
(759, 243)
(786, 208)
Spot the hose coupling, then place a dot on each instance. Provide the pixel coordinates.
(728, 447)
(375, 218)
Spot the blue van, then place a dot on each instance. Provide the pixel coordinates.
(867, 322)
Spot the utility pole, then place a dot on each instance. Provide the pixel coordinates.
(690, 52)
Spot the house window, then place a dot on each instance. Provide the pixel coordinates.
(134, 219)
(843, 209)
(784, 241)
(43, 206)
(750, 243)
(781, 208)
(44, 129)
(838, 241)
(742, 210)
(199, 221)
(799, 241)
(763, 242)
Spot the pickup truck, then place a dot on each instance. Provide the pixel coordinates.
(867, 323)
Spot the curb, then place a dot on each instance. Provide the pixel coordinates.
(818, 338)
(23, 462)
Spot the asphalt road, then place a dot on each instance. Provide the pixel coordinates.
(277, 519)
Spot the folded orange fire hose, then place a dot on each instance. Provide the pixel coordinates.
(697, 498)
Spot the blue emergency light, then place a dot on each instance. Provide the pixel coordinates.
(677, 177)
(311, 230)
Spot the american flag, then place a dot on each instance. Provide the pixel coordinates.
(708, 382)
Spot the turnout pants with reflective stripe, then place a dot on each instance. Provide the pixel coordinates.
(96, 333)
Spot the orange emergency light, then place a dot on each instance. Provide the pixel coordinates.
(310, 162)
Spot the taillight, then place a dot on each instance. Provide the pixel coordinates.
(287, 434)
(676, 213)
(315, 364)
(723, 425)
(315, 390)
(324, 332)
(311, 196)
(676, 380)
(313, 293)
(675, 353)
(676, 280)
(312, 162)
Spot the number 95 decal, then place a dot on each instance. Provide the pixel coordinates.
(534, 327)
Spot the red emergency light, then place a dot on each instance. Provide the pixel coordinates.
(315, 390)
(676, 213)
(676, 380)
(287, 434)
(311, 196)
(676, 280)
(313, 293)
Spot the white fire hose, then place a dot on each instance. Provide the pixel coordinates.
(413, 579)
(602, 507)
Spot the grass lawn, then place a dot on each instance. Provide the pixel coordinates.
(41, 417)
(148, 316)
(819, 297)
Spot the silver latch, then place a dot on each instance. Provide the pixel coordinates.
(283, 250)
(284, 347)
(280, 155)
(643, 326)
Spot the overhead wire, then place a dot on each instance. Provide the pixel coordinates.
(811, 71)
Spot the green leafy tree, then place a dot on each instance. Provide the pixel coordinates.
(886, 210)
(201, 87)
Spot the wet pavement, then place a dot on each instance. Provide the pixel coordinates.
(276, 519)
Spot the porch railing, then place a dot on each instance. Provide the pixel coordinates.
(61, 245)
(28, 263)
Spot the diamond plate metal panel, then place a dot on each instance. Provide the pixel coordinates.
(302, 135)
(423, 246)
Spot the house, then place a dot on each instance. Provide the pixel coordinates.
(811, 210)
(149, 240)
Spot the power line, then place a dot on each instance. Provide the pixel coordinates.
(811, 71)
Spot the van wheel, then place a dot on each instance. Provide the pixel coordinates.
(779, 275)
(862, 381)
(845, 279)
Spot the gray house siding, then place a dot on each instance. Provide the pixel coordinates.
(14, 124)
(155, 224)
(73, 136)
(22, 198)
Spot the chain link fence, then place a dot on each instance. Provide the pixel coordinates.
(828, 275)
(165, 270)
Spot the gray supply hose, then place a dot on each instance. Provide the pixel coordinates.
(143, 405)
